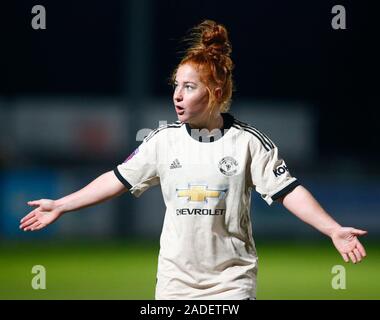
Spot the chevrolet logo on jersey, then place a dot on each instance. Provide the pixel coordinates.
(200, 193)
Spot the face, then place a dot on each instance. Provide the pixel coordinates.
(190, 95)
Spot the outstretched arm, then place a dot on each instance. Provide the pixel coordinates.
(47, 211)
(303, 205)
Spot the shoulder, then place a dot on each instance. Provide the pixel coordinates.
(163, 128)
(256, 136)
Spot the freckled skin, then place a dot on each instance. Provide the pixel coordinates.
(191, 94)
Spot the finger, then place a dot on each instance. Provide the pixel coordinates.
(345, 257)
(357, 255)
(39, 227)
(359, 232)
(34, 203)
(28, 222)
(352, 257)
(29, 215)
(33, 226)
(361, 249)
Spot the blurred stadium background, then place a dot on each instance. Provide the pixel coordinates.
(76, 98)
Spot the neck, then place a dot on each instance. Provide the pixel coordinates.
(215, 121)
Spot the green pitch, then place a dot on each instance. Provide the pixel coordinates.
(128, 270)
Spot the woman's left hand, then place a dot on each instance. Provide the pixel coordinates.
(347, 243)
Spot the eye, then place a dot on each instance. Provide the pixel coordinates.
(189, 87)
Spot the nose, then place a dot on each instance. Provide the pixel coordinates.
(178, 95)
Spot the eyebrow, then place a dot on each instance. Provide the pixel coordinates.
(186, 82)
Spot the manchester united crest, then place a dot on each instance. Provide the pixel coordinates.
(228, 166)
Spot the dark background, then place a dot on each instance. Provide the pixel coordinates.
(282, 51)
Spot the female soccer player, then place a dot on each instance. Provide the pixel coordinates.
(207, 164)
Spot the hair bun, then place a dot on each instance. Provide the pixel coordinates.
(214, 38)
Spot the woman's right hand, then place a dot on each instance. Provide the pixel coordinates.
(45, 213)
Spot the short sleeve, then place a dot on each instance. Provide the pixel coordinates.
(139, 171)
(269, 173)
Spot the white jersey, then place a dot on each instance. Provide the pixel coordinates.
(206, 247)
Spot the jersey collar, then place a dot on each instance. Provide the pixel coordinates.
(228, 120)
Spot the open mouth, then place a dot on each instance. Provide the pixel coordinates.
(179, 110)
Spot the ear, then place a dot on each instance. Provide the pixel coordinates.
(218, 93)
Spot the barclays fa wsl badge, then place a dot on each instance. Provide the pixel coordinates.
(228, 166)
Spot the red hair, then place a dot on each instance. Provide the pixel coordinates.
(209, 53)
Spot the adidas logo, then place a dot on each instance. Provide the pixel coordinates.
(175, 164)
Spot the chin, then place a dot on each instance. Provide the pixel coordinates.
(182, 118)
